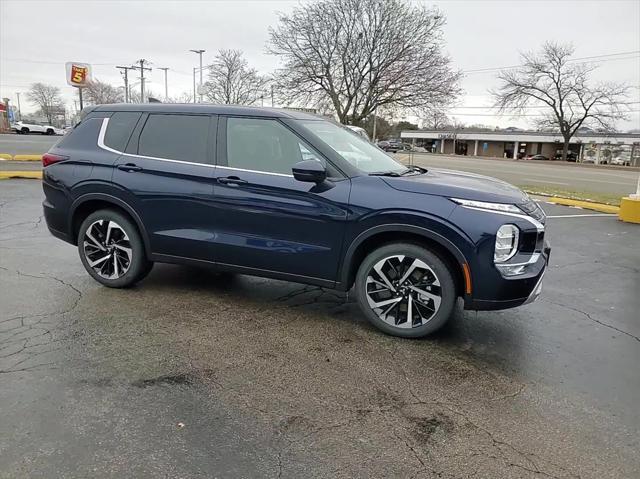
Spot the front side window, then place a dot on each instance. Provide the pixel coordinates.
(353, 148)
(264, 145)
(119, 129)
(175, 137)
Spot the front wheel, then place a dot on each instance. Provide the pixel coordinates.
(49, 131)
(112, 250)
(405, 290)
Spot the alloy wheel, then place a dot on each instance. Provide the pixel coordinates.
(107, 249)
(402, 291)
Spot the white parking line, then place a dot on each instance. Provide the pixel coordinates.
(581, 216)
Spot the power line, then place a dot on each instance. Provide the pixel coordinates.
(527, 107)
(634, 54)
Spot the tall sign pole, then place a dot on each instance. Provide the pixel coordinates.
(78, 76)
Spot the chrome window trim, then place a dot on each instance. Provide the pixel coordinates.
(101, 144)
(539, 226)
(255, 171)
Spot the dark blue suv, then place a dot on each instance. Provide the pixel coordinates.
(292, 196)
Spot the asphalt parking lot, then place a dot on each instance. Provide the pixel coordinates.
(195, 374)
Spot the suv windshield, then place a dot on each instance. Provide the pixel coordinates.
(354, 149)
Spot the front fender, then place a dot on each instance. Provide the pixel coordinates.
(432, 228)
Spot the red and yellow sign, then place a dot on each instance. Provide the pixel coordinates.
(78, 74)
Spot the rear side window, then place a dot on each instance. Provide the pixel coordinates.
(175, 137)
(119, 129)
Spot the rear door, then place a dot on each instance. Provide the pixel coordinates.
(265, 218)
(166, 174)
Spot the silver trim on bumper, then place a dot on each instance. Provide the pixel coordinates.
(536, 291)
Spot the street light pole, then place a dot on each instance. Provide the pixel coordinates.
(19, 112)
(194, 84)
(166, 88)
(199, 52)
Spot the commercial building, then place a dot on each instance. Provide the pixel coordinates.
(592, 147)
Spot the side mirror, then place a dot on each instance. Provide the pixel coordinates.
(312, 171)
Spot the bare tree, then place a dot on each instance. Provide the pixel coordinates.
(184, 97)
(436, 119)
(232, 81)
(363, 55)
(100, 93)
(47, 98)
(551, 79)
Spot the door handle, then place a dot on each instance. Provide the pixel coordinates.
(129, 167)
(232, 180)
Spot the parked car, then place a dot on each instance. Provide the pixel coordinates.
(227, 187)
(390, 146)
(621, 161)
(358, 131)
(536, 157)
(571, 156)
(26, 127)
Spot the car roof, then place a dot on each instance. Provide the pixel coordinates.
(207, 108)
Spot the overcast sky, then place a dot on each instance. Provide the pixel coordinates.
(38, 37)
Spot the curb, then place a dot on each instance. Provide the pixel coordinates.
(587, 205)
(6, 175)
(5, 156)
(27, 157)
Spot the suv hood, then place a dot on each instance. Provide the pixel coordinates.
(458, 184)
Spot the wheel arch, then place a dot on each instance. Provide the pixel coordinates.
(377, 236)
(86, 204)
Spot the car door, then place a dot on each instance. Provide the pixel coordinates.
(267, 220)
(166, 174)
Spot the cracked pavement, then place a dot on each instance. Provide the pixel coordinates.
(197, 374)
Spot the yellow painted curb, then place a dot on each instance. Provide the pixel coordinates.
(630, 210)
(588, 205)
(5, 156)
(5, 175)
(27, 157)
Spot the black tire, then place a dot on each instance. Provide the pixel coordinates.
(25, 131)
(436, 267)
(135, 265)
(49, 131)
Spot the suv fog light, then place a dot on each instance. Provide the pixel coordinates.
(511, 270)
(506, 243)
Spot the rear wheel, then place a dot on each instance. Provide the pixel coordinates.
(25, 131)
(405, 290)
(49, 131)
(112, 250)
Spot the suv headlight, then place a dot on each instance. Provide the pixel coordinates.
(484, 205)
(506, 243)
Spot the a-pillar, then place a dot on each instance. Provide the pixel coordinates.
(515, 150)
(475, 149)
(442, 145)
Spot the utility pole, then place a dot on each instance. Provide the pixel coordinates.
(272, 96)
(199, 52)
(142, 68)
(19, 112)
(166, 88)
(125, 70)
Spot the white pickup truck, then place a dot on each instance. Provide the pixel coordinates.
(23, 127)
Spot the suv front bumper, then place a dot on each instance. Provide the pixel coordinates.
(510, 292)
